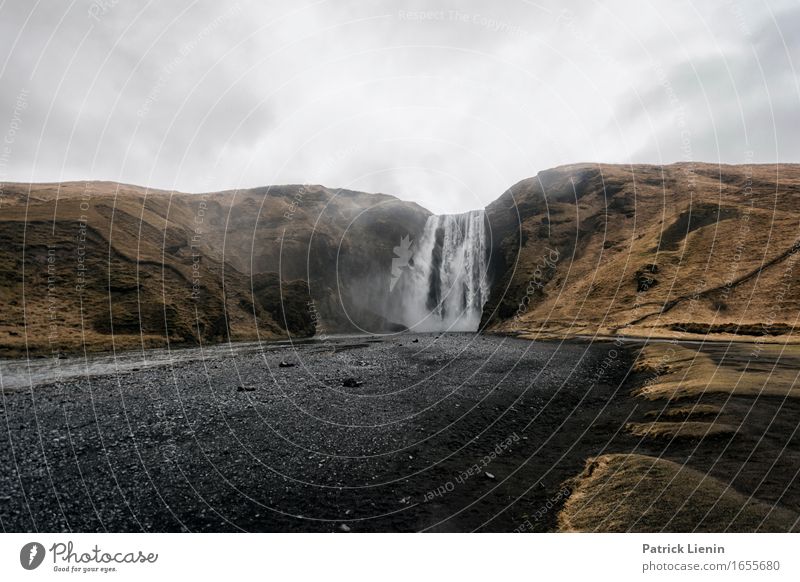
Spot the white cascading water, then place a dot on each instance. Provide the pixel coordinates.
(445, 287)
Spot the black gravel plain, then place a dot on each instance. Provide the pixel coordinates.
(427, 432)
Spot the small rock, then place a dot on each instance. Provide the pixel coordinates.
(245, 388)
(416, 341)
(285, 364)
(351, 383)
(344, 527)
(489, 475)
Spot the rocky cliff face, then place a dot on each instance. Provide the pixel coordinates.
(340, 241)
(672, 250)
(586, 248)
(99, 265)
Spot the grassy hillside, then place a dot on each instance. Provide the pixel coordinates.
(679, 250)
(102, 265)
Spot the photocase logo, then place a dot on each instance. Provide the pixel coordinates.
(31, 555)
(401, 259)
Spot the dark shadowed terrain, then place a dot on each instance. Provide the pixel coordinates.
(457, 432)
(233, 441)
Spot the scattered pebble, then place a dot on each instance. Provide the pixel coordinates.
(175, 422)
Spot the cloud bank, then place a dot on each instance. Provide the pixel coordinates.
(443, 103)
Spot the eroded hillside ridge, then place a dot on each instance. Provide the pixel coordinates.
(96, 265)
(672, 250)
(588, 248)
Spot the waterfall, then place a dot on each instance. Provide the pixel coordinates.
(445, 286)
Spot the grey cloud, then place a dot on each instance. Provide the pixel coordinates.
(445, 103)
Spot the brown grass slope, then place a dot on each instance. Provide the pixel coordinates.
(716, 445)
(88, 263)
(627, 492)
(98, 265)
(648, 250)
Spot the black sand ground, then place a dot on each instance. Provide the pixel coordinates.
(455, 433)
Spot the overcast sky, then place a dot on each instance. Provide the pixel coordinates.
(447, 107)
